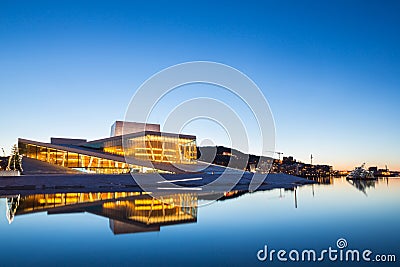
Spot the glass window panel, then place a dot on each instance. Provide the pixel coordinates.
(61, 158)
(42, 153)
(73, 160)
(52, 156)
(31, 151)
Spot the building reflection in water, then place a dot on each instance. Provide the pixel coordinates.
(322, 179)
(128, 212)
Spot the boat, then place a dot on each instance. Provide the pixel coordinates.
(360, 173)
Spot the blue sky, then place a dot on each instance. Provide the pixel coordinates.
(329, 69)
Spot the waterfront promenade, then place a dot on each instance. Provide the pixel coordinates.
(123, 182)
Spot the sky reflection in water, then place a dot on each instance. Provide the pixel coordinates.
(228, 232)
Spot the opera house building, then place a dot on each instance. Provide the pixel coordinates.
(148, 150)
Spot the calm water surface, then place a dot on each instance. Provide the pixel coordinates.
(137, 231)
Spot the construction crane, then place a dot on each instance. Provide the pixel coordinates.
(276, 152)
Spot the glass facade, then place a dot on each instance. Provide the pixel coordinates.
(79, 161)
(94, 156)
(154, 147)
(161, 148)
